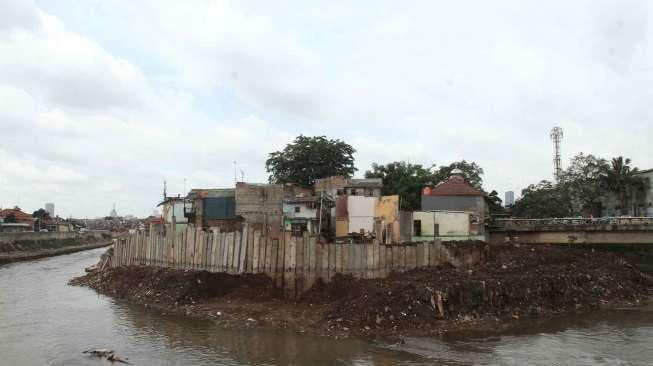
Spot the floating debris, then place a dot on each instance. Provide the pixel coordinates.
(108, 354)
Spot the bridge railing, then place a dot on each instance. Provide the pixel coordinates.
(570, 222)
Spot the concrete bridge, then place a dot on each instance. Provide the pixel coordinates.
(601, 231)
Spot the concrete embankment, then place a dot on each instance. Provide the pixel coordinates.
(15, 248)
(516, 282)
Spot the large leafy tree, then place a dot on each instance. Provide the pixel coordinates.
(309, 158)
(622, 180)
(543, 200)
(583, 180)
(404, 179)
(494, 203)
(41, 214)
(473, 172)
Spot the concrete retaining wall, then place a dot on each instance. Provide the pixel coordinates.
(574, 237)
(295, 263)
(34, 236)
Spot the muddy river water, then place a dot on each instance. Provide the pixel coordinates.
(43, 321)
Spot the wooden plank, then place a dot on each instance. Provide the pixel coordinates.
(243, 250)
(395, 258)
(223, 252)
(358, 260)
(433, 255)
(377, 261)
(382, 262)
(299, 269)
(306, 263)
(402, 258)
(274, 257)
(250, 251)
(256, 251)
(229, 252)
(419, 255)
(282, 258)
(325, 262)
(338, 258)
(318, 261)
(332, 261)
(268, 254)
(369, 265)
(411, 257)
(309, 276)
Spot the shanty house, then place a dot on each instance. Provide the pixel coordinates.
(214, 208)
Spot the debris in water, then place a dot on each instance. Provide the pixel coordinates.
(108, 354)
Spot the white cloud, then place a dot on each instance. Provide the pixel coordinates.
(122, 95)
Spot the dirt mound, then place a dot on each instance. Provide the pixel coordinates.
(515, 282)
(179, 287)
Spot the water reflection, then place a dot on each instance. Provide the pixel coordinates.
(44, 321)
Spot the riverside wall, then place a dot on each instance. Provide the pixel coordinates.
(295, 263)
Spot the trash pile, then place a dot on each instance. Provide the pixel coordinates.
(175, 286)
(516, 281)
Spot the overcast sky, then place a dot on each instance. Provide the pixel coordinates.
(100, 101)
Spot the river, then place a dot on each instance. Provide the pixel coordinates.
(43, 321)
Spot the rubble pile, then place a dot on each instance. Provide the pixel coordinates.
(516, 281)
(174, 286)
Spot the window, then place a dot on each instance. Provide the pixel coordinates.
(297, 209)
(310, 204)
(353, 192)
(417, 227)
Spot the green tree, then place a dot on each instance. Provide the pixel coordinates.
(494, 202)
(404, 179)
(473, 172)
(622, 180)
(543, 200)
(41, 214)
(584, 181)
(309, 158)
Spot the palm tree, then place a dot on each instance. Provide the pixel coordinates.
(622, 180)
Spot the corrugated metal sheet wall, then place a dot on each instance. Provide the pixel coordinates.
(219, 208)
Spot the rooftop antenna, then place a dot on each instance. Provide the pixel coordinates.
(556, 137)
(242, 175)
(235, 173)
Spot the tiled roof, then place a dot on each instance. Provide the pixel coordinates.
(452, 187)
(18, 214)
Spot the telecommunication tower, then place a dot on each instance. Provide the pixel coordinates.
(556, 136)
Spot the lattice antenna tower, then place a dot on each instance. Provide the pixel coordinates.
(556, 137)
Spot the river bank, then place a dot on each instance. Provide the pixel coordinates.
(516, 282)
(32, 249)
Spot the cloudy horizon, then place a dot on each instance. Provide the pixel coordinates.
(102, 102)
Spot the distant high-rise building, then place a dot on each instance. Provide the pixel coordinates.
(114, 214)
(49, 208)
(510, 198)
